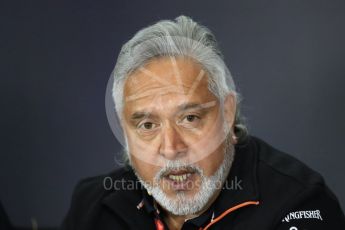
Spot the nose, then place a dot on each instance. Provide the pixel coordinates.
(172, 144)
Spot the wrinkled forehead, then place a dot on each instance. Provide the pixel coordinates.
(165, 83)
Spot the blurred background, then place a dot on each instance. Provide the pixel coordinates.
(287, 58)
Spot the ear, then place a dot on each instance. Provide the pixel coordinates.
(230, 110)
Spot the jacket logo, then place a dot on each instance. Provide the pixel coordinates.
(310, 214)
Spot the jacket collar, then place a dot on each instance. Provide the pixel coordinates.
(124, 198)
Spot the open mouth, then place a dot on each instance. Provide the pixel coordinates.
(180, 179)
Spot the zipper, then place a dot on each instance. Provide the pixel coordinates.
(241, 205)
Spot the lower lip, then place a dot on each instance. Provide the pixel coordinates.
(185, 185)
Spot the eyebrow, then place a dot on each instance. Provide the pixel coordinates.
(140, 115)
(203, 106)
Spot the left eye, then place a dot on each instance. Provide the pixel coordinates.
(190, 121)
(147, 126)
(191, 118)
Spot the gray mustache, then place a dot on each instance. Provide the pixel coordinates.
(170, 168)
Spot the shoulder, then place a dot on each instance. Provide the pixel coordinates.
(91, 186)
(281, 178)
(284, 166)
(92, 189)
(88, 195)
(289, 187)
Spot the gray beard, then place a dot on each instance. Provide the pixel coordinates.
(187, 205)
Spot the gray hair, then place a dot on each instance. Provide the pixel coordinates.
(180, 38)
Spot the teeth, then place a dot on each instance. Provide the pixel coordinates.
(180, 178)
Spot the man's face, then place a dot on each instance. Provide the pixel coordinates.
(172, 121)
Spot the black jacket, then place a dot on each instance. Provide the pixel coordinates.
(265, 189)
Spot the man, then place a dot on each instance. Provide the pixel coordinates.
(190, 161)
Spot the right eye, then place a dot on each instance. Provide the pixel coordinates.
(147, 126)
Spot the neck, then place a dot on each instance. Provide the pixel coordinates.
(175, 222)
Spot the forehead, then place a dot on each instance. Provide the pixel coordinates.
(167, 79)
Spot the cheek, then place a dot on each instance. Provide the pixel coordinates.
(212, 162)
(143, 157)
(141, 150)
(145, 170)
(208, 148)
(211, 137)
